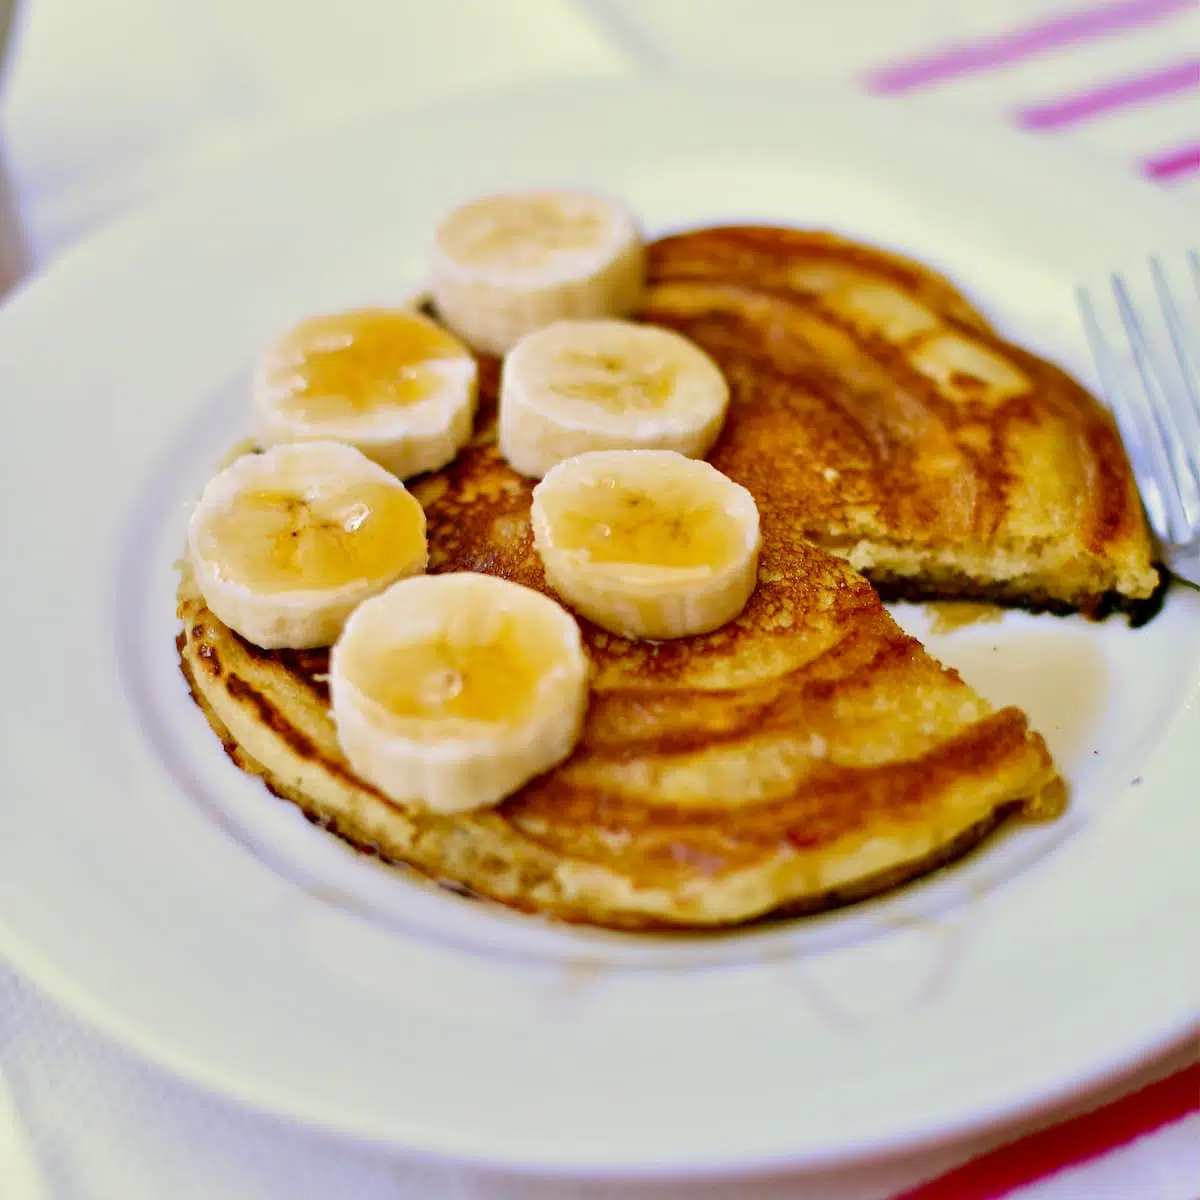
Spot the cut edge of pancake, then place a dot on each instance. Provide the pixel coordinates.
(1015, 580)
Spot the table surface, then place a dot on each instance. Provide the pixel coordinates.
(109, 101)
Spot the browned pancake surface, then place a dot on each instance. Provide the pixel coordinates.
(807, 753)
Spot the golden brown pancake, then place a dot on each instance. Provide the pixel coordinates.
(807, 754)
(898, 431)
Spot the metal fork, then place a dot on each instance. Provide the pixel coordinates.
(1158, 413)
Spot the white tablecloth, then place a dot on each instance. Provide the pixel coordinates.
(108, 101)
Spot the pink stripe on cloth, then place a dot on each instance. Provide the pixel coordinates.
(1022, 43)
(1173, 164)
(1003, 1171)
(1110, 96)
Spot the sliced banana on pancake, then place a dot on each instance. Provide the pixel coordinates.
(451, 691)
(576, 386)
(285, 544)
(647, 543)
(504, 265)
(390, 382)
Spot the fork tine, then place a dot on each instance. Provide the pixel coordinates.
(1178, 337)
(1127, 416)
(1181, 502)
(1182, 385)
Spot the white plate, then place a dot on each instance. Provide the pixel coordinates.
(162, 895)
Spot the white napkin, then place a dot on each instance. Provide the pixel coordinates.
(849, 39)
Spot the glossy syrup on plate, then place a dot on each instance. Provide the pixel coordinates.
(1056, 675)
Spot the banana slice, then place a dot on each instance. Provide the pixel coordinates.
(504, 265)
(285, 544)
(390, 382)
(647, 543)
(451, 691)
(575, 386)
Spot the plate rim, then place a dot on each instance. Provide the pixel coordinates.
(1059, 1102)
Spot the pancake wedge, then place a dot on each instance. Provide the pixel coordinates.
(899, 432)
(804, 755)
